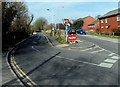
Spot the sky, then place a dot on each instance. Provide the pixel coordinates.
(70, 10)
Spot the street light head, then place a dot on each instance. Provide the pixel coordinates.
(48, 9)
(62, 6)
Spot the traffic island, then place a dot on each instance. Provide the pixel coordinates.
(80, 45)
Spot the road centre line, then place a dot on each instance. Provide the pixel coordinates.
(102, 64)
(35, 49)
(77, 60)
(97, 51)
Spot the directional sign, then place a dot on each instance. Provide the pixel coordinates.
(67, 22)
(66, 27)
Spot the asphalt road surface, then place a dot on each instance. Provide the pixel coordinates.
(48, 65)
(106, 44)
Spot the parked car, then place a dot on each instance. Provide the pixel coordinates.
(34, 33)
(81, 31)
(72, 31)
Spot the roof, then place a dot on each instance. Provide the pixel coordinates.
(111, 13)
(93, 23)
(82, 18)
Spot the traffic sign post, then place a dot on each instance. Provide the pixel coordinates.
(67, 24)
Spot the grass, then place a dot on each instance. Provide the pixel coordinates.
(104, 35)
(60, 39)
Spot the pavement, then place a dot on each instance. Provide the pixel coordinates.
(81, 44)
(8, 78)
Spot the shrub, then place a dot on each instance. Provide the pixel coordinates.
(116, 32)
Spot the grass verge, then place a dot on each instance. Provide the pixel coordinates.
(60, 39)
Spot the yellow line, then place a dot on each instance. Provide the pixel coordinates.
(21, 73)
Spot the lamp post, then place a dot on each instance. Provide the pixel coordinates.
(53, 24)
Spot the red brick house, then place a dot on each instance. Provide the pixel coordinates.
(110, 21)
(87, 20)
(94, 26)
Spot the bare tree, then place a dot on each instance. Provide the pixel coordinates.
(40, 23)
(15, 21)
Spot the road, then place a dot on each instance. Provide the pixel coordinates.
(106, 44)
(48, 65)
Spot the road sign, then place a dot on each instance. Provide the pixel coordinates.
(67, 22)
(66, 27)
(72, 37)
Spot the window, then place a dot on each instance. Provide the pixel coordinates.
(106, 26)
(106, 20)
(101, 21)
(102, 27)
(118, 18)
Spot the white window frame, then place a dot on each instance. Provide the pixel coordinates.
(118, 17)
(102, 26)
(107, 27)
(106, 20)
(101, 21)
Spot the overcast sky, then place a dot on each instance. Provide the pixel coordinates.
(70, 10)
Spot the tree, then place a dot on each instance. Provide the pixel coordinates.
(60, 26)
(15, 21)
(20, 20)
(8, 14)
(40, 23)
(78, 24)
(97, 17)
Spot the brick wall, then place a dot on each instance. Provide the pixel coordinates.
(88, 20)
(107, 24)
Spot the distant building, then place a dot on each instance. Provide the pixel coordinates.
(94, 26)
(110, 21)
(87, 20)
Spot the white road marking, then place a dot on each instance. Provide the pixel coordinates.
(107, 65)
(115, 57)
(110, 60)
(90, 48)
(105, 50)
(111, 54)
(35, 49)
(78, 60)
(87, 49)
(97, 51)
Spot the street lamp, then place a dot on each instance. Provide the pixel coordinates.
(52, 21)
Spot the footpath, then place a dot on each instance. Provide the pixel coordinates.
(8, 78)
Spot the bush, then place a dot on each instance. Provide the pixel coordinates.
(116, 32)
(60, 39)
